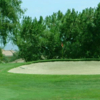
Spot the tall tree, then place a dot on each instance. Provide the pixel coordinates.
(28, 38)
(70, 35)
(10, 12)
(95, 30)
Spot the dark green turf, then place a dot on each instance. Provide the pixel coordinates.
(47, 87)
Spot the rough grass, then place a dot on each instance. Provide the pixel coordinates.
(47, 87)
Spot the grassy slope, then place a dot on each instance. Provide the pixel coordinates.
(47, 87)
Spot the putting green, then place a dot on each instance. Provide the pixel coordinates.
(60, 68)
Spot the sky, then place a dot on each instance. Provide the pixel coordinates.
(37, 8)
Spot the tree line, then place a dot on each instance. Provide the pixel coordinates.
(70, 35)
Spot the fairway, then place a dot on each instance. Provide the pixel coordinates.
(60, 68)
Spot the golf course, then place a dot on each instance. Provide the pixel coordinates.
(49, 50)
(59, 80)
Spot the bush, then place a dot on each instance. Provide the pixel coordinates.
(5, 59)
(1, 55)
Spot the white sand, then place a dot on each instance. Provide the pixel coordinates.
(60, 68)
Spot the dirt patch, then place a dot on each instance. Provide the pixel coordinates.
(18, 61)
(60, 68)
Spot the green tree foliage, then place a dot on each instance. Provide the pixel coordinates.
(51, 36)
(79, 32)
(95, 30)
(10, 12)
(38, 38)
(28, 38)
(1, 55)
(69, 33)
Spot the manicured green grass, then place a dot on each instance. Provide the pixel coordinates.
(47, 87)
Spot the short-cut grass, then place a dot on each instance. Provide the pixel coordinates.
(47, 87)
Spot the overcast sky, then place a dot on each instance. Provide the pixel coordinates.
(37, 8)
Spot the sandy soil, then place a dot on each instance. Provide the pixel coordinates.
(60, 68)
(18, 61)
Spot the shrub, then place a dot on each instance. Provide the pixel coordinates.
(1, 55)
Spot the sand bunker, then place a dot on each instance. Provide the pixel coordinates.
(60, 68)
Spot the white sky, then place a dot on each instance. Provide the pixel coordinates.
(37, 8)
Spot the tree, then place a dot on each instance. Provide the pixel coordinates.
(69, 34)
(28, 38)
(10, 12)
(78, 32)
(52, 46)
(94, 29)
